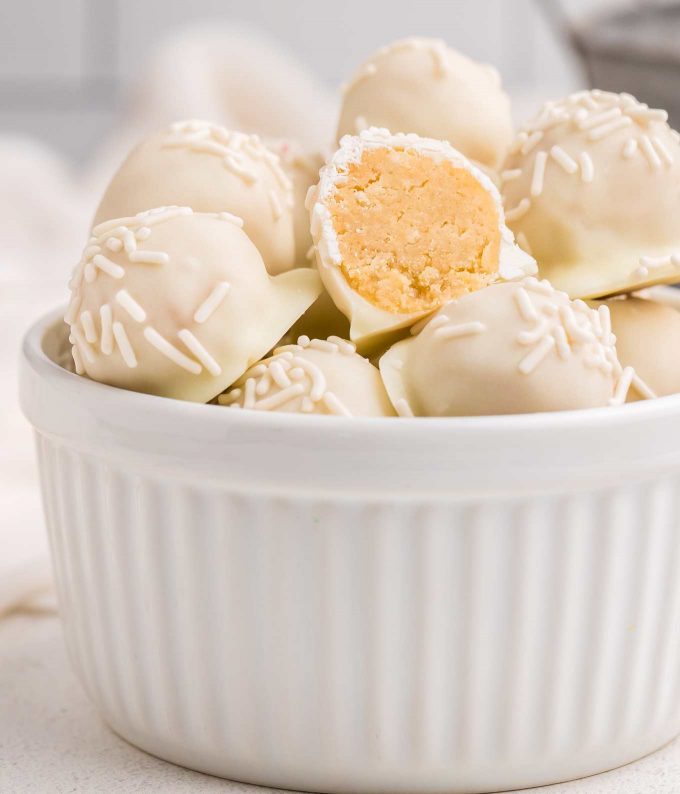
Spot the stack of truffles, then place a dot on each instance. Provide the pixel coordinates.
(440, 265)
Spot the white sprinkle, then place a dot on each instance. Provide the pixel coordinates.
(113, 244)
(539, 173)
(564, 160)
(650, 153)
(402, 408)
(642, 388)
(91, 251)
(525, 306)
(456, 331)
(275, 204)
(124, 299)
(82, 343)
(322, 345)
(106, 343)
(660, 147)
(124, 345)
(149, 257)
(543, 287)
(249, 393)
(346, 347)
(143, 233)
(596, 119)
(529, 363)
(511, 174)
(280, 398)
(200, 352)
(629, 148)
(239, 169)
(297, 373)
(169, 351)
(88, 326)
(80, 370)
(129, 241)
(108, 267)
(587, 167)
(622, 386)
(605, 320)
(560, 336)
(263, 385)
(518, 211)
(279, 375)
(228, 216)
(334, 405)
(211, 303)
(533, 140)
(303, 341)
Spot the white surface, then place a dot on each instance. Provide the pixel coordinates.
(53, 742)
(477, 615)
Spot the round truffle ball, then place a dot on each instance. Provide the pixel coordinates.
(210, 169)
(178, 304)
(318, 376)
(647, 339)
(403, 224)
(420, 85)
(592, 189)
(511, 348)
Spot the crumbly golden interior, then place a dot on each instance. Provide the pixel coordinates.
(414, 233)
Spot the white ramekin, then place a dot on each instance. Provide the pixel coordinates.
(374, 605)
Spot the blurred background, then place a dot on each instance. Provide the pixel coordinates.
(82, 80)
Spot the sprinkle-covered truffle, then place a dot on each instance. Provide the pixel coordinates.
(519, 347)
(592, 189)
(421, 85)
(317, 376)
(647, 339)
(210, 169)
(177, 303)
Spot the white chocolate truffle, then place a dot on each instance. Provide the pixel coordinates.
(592, 189)
(210, 169)
(318, 376)
(403, 224)
(647, 339)
(420, 85)
(302, 168)
(511, 348)
(178, 304)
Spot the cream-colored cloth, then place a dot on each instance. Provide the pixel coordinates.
(222, 74)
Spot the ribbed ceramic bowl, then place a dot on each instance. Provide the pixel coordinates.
(381, 605)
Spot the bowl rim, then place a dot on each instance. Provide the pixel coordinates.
(44, 367)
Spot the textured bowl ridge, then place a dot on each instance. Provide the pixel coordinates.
(340, 642)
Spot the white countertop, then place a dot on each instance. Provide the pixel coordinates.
(53, 742)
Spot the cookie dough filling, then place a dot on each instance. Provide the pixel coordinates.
(402, 225)
(413, 232)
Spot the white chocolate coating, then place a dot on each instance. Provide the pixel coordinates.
(178, 304)
(313, 376)
(321, 320)
(647, 339)
(592, 189)
(210, 169)
(420, 85)
(302, 168)
(511, 348)
(367, 320)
